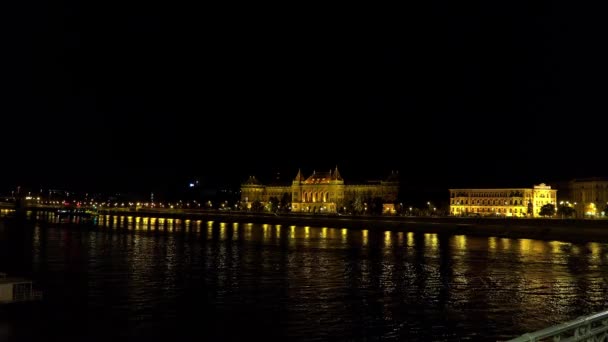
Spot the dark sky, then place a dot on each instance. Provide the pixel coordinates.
(130, 95)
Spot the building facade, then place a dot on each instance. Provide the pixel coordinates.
(516, 202)
(321, 192)
(588, 196)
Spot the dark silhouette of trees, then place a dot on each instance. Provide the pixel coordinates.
(257, 206)
(530, 209)
(566, 211)
(547, 210)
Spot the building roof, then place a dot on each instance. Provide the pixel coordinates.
(318, 178)
(252, 181)
(299, 177)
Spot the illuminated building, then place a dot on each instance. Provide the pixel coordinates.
(589, 196)
(517, 202)
(322, 192)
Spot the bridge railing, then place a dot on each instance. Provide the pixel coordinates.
(587, 328)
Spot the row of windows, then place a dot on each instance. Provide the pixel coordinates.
(488, 202)
(502, 194)
(323, 196)
(489, 194)
(488, 210)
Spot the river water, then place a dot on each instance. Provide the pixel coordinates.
(140, 278)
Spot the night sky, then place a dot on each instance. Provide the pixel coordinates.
(136, 95)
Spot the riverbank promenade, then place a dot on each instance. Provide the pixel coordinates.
(533, 228)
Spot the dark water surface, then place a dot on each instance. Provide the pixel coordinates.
(139, 278)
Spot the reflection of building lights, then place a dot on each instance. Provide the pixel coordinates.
(461, 241)
(492, 243)
(387, 238)
(430, 240)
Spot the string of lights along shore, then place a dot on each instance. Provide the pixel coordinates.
(327, 192)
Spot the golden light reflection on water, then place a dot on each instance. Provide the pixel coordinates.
(278, 231)
(506, 243)
(595, 248)
(555, 246)
(388, 238)
(496, 245)
(209, 230)
(170, 224)
(410, 239)
(530, 249)
(248, 231)
(460, 241)
(266, 232)
(222, 231)
(525, 246)
(430, 240)
(235, 231)
(523, 273)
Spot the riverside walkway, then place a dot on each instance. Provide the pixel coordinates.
(581, 230)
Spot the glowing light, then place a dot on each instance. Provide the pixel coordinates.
(431, 240)
(387, 238)
(235, 231)
(461, 241)
(492, 243)
(410, 239)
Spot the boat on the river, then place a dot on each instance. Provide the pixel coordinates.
(17, 290)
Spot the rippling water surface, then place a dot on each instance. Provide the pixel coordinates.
(142, 278)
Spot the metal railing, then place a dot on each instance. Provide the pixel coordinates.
(592, 328)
